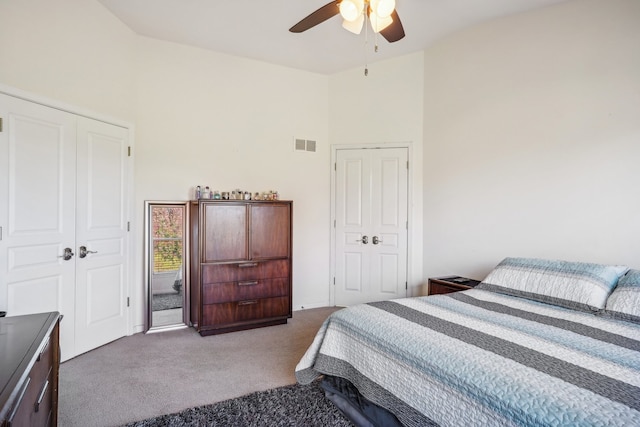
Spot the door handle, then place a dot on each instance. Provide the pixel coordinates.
(84, 251)
(68, 254)
(375, 240)
(364, 240)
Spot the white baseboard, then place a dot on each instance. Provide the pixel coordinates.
(308, 306)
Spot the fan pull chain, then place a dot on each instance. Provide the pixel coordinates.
(375, 42)
(366, 42)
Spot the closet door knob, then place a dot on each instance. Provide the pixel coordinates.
(68, 254)
(376, 240)
(84, 251)
(364, 240)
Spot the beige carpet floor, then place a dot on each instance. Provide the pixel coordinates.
(143, 376)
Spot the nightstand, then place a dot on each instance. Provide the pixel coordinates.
(448, 284)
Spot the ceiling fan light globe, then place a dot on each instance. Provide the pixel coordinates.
(378, 24)
(351, 9)
(382, 8)
(354, 26)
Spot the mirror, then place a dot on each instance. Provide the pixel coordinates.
(166, 261)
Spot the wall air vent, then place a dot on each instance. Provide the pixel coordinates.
(300, 144)
(311, 145)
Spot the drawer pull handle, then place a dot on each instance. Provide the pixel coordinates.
(44, 348)
(251, 283)
(248, 265)
(42, 393)
(250, 302)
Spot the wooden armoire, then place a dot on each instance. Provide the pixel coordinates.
(240, 256)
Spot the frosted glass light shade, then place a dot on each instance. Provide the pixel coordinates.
(383, 8)
(378, 24)
(351, 9)
(354, 26)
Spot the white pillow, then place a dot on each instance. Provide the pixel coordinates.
(624, 301)
(577, 285)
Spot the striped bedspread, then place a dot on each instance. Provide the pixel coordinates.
(479, 358)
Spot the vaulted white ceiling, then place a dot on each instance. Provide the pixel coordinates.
(259, 29)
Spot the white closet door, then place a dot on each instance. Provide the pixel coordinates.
(389, 215)
(101, 275)
(65, 182)
(353, 227)
(371, 225)
(37, 214)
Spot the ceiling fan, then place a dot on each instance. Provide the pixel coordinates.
(381, 14)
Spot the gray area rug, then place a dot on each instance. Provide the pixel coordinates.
(166, 301)
(294, 405)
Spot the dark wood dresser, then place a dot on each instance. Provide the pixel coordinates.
(29, 365)
(240, 264)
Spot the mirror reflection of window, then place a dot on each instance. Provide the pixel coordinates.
(166, 263)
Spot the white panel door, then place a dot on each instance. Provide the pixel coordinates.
(101, 234)
(371, 225)
(37, 182)
(64, 180)
(353, 231)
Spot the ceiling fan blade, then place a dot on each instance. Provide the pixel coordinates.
(327, 11)
(395, 31)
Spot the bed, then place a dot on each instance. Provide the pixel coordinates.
(538, 342)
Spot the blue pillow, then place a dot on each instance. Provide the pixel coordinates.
(576, 285)
(624, 301)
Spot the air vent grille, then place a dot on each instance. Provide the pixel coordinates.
(300, 144)
(311, 146)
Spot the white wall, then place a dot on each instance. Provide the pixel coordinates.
(227, 122)
(532, 139)
(73, 51)
(385, 107)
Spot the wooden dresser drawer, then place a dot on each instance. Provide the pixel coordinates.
(250, 270)
(42, 366)
(232, 312)
(244, 290)
(437, 288)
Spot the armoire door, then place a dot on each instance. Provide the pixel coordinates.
(63, 189)
(225, 228)
(270, 234)
(371, 215)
